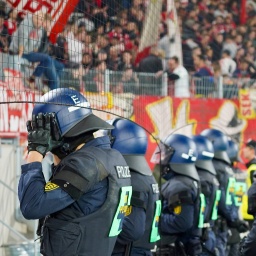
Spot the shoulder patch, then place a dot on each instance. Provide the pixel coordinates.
(177, 209)
(49, 186)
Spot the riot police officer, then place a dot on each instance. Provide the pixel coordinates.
(228, 214)
(249, 153)
(210, 189)
(82, 203)
(131, 140)
(181, 213)
(248, 244)
(240, 189)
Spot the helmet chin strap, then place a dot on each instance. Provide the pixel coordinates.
(70, 145)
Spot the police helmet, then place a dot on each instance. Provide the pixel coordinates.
(220, 143)
(205, 153)
(183, 156)
(72, 110)
(131, 141)
(233, 151)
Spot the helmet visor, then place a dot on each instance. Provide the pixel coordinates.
(162, 154)
(89, 123)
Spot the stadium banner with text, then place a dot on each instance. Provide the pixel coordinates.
(247, 102)
(160, 116)
(58, 9)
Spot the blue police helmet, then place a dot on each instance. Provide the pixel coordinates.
(220, 143)
(73, 112)
(233, 151)
(183, 156)
(131, 141)
(205, 153)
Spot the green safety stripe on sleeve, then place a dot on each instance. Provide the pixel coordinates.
(202, 210)
(230, 190)
(124, 202)
(155, 224)
(215, 205)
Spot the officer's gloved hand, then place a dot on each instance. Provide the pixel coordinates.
(39, 134)
(242, 226)
(56, 139)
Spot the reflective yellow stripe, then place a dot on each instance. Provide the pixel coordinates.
(244, 206)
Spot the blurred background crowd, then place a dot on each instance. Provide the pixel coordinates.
(105, 34)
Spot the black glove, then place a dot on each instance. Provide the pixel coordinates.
(40, 134)
(242, 226)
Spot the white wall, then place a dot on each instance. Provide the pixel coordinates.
(8, 199)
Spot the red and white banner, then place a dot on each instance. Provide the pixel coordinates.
(159, 116)
(60, 11)
(16, 105)
(150, 32)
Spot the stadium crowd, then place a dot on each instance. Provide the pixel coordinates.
(105, 34)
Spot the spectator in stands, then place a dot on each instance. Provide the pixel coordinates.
(103, 43)
(243, 70)
(87, 62)
(26, 42)
(60, 49)
(209, 58)
(177, 73)
(216, 46)
(102, 56)
(99, 17)
(11, 23)
(99, 79)
(239, 41)
(230, 45)
(129, 82)
(250, 9)
(151, 64)
(116, 32)
(3, 34)
(227, 64)
(239, 56)
(86, 21)
(126, 61)
(75, 48)
(47, 47)
(221, 11)
(204, 85)
(164, 40)
(201, 67)
(252, 37)
(114, 59)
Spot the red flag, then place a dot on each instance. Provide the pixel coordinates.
(243, 12)
(60, 11)
(149, 35)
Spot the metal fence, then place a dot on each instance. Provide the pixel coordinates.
(130, 81)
